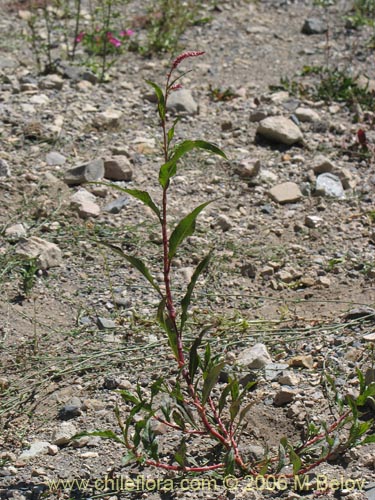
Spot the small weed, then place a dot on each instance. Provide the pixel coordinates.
(28, 274)
(218, 94)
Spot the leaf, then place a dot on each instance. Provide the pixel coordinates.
(210, 381)
(185, 302)
(194, 359)
(180, 455)
(234, 409)
(282, 457)
(229, 462)
(184, 228)
(169, 168)
(143, 196)
(128, 397)
(170, 133)
(369, 439)
(138, 264)
(223, 396)
(178, 419)
(161, 100)
(245, 410)
(295, 459)
(103, 434)
(129, 457)
(172, 336)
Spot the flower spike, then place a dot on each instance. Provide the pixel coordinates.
(185, 55)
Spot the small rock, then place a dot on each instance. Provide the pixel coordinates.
(4, 383)
(224, 223)
(313, 221)
(52, 449)
(273, 370)
(51, 82)
(284, 396)
(249, 271)
(47, 254)
(118, 169)
(361, 312)
(182, 101)
(370, 337)
(105, 323)
(69, 411)
(54, 158)
(87, 172)
(108, 119)
(84, 202)
(110, 382)
(63, 434)
(329, 185)
(347, 178)
(288, 378)
(322, 164)
(255, 452)
(287, 192)
(36, 449)
(302, 361)
(4, 169)
(15, 232)
(280, 129)
(115, 206)
(306, 115)
(248, 168)
(314, 26)
(254, 357)
(323, 281)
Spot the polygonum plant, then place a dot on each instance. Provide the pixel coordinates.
(188, 408)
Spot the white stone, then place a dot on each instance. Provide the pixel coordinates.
(254, 357)
(110, 118)
(329, 185)
(63, 434)
(15, 232)
(84, 202)
(280, 129)
(36, 449)
(306, 115)
(47, 254)
(182, 101)
(287, 192)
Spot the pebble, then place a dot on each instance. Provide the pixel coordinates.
(84, 202)
(182, 101)
(322, 164)
(54, 158)
(15, 232)
(313, 221)
(47, 254)
(254, 357)
(115, 206)
(63, 433)
(51, 82)
(303, 361)
(306, 115)
(87, 172)
(108, 119)
(273, 370)
(224, 223)
(248, 168)
(287, 192)
(280, 129)
(329, 185)
(69, 411)
(314, 26)
(288, 378)
(105, 323)
(118, 169)
(4, 169)
(284, 396)
(36, 449)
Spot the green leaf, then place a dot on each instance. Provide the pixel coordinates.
(172, 336)
(210, 381)
(295, 459)
(185, 302)
(170, 133)
(169, 168)
(194, 359)
(143, 196)
(178, 419)
(245, 410)
(282, 457)
(128, 397)
(161, 100)
(184, 228)
(180, 455)
(103, 434)
(137, 263)
(369, 439)
(229, 462)
(128, 457)
(234, 409)
(369, 391)
(223, 396)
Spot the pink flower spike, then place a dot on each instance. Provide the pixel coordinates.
(80, 36)
(125, 33)
(114, 41)
(176, 87)
(185, 55)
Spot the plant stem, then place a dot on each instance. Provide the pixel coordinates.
(76, 28)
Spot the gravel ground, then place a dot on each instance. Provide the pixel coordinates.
(293, 266)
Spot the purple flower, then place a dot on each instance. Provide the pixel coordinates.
(125, 33)
(114, 41)
(80, 36)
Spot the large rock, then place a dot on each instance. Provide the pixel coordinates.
(280, 129)
(255, 357)
(36, 449)
(47, 254)
(182, 101)
(118, 169)
(329, 185)
(314, 26)
(287, 192)
(87, 172)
